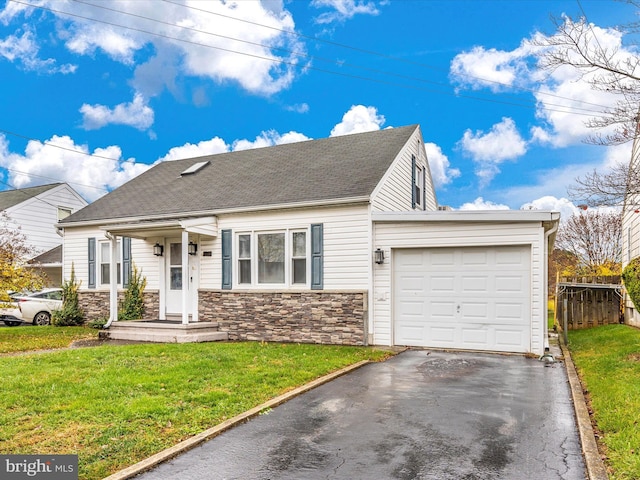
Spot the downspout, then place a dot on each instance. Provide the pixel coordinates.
(113, 287)
(547, 235)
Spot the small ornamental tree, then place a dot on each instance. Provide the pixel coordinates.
(132, 306)
(15, 275)
(631, 279)
(70, 313)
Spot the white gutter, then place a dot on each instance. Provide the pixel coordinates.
(180, 216)
(474, 216)
(547, 236)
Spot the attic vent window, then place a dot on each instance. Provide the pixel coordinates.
(196, 167)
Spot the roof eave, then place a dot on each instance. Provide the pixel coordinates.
(216, 212)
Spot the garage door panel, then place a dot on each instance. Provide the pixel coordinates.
(475, 283)
(509, 284)
(464, 297)
(442, 284)
(441, 310)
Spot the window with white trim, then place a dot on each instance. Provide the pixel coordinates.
(63, 213)
(105, 262)
(273, 258)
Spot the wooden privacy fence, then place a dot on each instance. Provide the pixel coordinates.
(584, 302)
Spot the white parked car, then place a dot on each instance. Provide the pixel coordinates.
(10, 313)
(37, 307)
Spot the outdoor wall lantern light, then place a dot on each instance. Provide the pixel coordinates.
(158, 249)
(379, 256)
(193, 248)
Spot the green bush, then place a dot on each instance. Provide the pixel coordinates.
(97, 323)
(70, 314)
(132, 306)
(631, 279)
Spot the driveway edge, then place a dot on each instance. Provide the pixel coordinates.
(210, 433)
(595, 466)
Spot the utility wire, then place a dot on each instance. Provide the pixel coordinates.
(371, 52)
(562, 109)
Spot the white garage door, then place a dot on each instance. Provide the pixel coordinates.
(475, 298)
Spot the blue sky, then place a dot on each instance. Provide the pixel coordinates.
(94, 96)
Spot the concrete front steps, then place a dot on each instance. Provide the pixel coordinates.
(164, 331)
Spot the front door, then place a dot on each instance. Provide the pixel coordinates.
(174, 277)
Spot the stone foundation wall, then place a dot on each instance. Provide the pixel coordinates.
(96, 303)
(326, 317)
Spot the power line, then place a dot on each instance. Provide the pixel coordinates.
(562, 108)
(374, 53)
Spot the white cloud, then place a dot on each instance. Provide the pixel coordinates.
(553, 204)
(298, 108)
(24, 50)
(189, 150)
(493, 69)
(564, 97)
(91, 176)
(136, 114)
(357, 120)
(342, 10)
(268, 139)
(482, 204)
(489, 150)
(441, 171)
(206, 43)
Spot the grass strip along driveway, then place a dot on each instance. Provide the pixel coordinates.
(116, 405)
(607, 359)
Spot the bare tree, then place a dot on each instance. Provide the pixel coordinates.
(575, 44)
(595, 239)
(605, 69)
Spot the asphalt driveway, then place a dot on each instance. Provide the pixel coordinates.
(419, 415)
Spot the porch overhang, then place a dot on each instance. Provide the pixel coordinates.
(207, 226)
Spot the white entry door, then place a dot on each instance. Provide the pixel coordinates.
(474, 298)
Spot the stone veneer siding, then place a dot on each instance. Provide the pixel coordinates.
(328, 317)
(95, 303)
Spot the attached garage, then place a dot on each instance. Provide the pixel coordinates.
(462, 280)
(475, 298)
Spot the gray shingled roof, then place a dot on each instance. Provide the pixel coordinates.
(51, 256)
(11, 198)
(312, 171)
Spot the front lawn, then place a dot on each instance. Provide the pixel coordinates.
(608, 361)
(116, 405)
(28, 338)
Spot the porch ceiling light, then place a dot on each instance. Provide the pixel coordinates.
(379, 256)
(158, 249)
(193, 248)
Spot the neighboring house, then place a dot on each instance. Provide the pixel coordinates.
(338, 240)
(631, 232)
(36, 211)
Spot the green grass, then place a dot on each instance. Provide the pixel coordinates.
(116, 405)
(608, 361)
(27, 338)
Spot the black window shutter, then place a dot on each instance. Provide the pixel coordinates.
(424, 188)
(227, 242)
(413, 181)
(126, 261)
(92, 262)
(317, 274)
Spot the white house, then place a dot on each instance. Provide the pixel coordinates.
(631, 232)
(336, 240)
(36, 211)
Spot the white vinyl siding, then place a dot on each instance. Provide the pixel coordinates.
(631, 248)
(38, 216)
(76, 253)
(395, 235)
(394, 192)
(346, 243)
